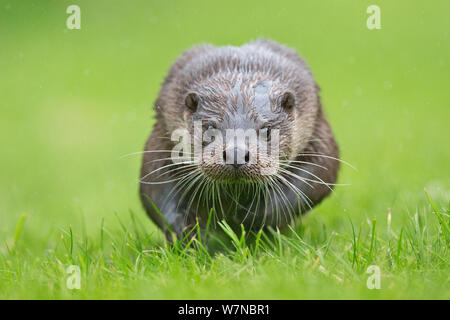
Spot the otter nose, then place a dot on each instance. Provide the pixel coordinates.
(236, 156)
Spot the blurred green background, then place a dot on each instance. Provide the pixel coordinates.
(72, 102)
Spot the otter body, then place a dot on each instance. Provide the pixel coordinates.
(260, 87)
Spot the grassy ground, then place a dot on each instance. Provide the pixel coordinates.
(73, 102)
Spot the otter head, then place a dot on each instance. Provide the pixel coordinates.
(246, 126)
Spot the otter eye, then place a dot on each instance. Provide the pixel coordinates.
(265, 133)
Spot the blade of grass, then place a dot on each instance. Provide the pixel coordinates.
(18, 229)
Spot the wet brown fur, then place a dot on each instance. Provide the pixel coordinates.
(212, 72)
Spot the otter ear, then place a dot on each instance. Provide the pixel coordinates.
(191, 101)
(287, 101)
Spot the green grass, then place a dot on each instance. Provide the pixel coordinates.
(310, 261)
(73, 102)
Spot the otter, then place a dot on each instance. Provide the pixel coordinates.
(262, 87)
